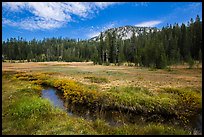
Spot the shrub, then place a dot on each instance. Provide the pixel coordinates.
(79, 95)
(36, 78)
(76, 93)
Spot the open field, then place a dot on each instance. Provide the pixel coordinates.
(163, 92)
(117, 75)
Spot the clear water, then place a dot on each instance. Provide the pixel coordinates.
(51, 94)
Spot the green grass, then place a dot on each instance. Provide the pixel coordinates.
(179, 103)
(25, 112)
(138, 129)
(142, 100)
(190, 101)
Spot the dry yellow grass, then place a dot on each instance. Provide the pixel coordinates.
(180, 76)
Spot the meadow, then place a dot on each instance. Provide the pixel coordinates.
(159, 101)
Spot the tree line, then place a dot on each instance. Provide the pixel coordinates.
(49, 49)
(172, 44)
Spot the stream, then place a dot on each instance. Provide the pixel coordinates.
(114, 118)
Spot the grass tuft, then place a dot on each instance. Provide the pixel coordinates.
(97, 79)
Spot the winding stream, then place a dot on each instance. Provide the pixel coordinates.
(57, 100)
(114, 118)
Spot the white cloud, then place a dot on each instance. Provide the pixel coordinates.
(14, 6)
(33, 24)
(103, 5)
(152, 23)
(52, 11)
(30, 24)
(49, 15)
(77, 8)
(8, 22)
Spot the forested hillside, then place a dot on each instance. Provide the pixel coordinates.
(171, 45)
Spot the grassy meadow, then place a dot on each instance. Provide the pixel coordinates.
(166, 99)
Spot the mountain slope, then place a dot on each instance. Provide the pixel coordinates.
(124, 32)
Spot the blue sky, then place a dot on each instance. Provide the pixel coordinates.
(84, 20)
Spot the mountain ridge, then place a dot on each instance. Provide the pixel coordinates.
(124, 32)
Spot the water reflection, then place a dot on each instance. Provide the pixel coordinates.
(55, 99)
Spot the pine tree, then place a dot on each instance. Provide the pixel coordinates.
(133, 48)
(185, 48)
(100, 50)
(198, 37)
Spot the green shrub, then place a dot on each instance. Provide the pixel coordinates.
(76, 93)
